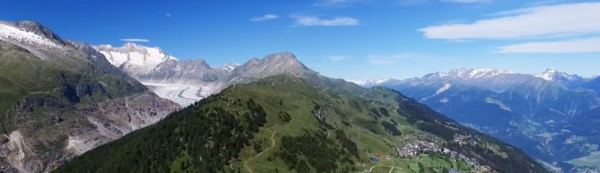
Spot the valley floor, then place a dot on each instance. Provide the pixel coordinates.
(183, 95)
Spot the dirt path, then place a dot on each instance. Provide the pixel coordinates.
(382, 165)
(393, 165)
(272, 145)
(371, 169)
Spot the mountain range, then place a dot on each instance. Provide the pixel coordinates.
(60, 98)
(152, 65)
(65, 98)
(552, 115)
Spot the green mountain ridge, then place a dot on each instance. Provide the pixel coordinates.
(309, 124)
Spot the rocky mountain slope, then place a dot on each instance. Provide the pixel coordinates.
(546, 114)
(60, 98)
(593, 84)
(162, 68)
(288, 124)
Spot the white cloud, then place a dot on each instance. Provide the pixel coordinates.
(565, 46)
(168, 15)
(135, 40)
(545, 2)
(466, 1)
(265, 17)
(337, 58)
(544, 21)
(308, 20)
(391, 59)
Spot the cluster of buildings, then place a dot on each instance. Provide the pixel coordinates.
(415, 148)
(463, 140)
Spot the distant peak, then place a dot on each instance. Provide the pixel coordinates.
(284, 58)
(232, 64)
(196, 62)
(228, 66)
(372, 82)
(472, 73)
(236, 64)
(550, 70)
(254, 60)
(282, 55)
(130, 45)
(552, 74)
(103, 46)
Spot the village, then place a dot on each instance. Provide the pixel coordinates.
(414, 148)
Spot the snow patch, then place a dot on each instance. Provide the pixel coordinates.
(357, 82)
(154, 55)
(441, 90)
(369, 82)
(380, 81)
(136, 58)
(13, 33)
(116, 58)
(477, 73)
(444, 88)
(497, 102)
(444, 100)
(548, 75)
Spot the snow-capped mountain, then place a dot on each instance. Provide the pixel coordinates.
(28, 33)
(460, 73)
(568, 80)
(372, 83)
(546, 114)
(593, 84)
(495, 79)
(133, 58)
(152, 65)
(474, 73)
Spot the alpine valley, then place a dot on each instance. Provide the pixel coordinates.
(553, 116)
(71, 107)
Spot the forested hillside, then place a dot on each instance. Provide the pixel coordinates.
(287, 124)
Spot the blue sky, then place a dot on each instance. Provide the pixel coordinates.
(352, 39)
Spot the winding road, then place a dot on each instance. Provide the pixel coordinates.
(183, 95)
